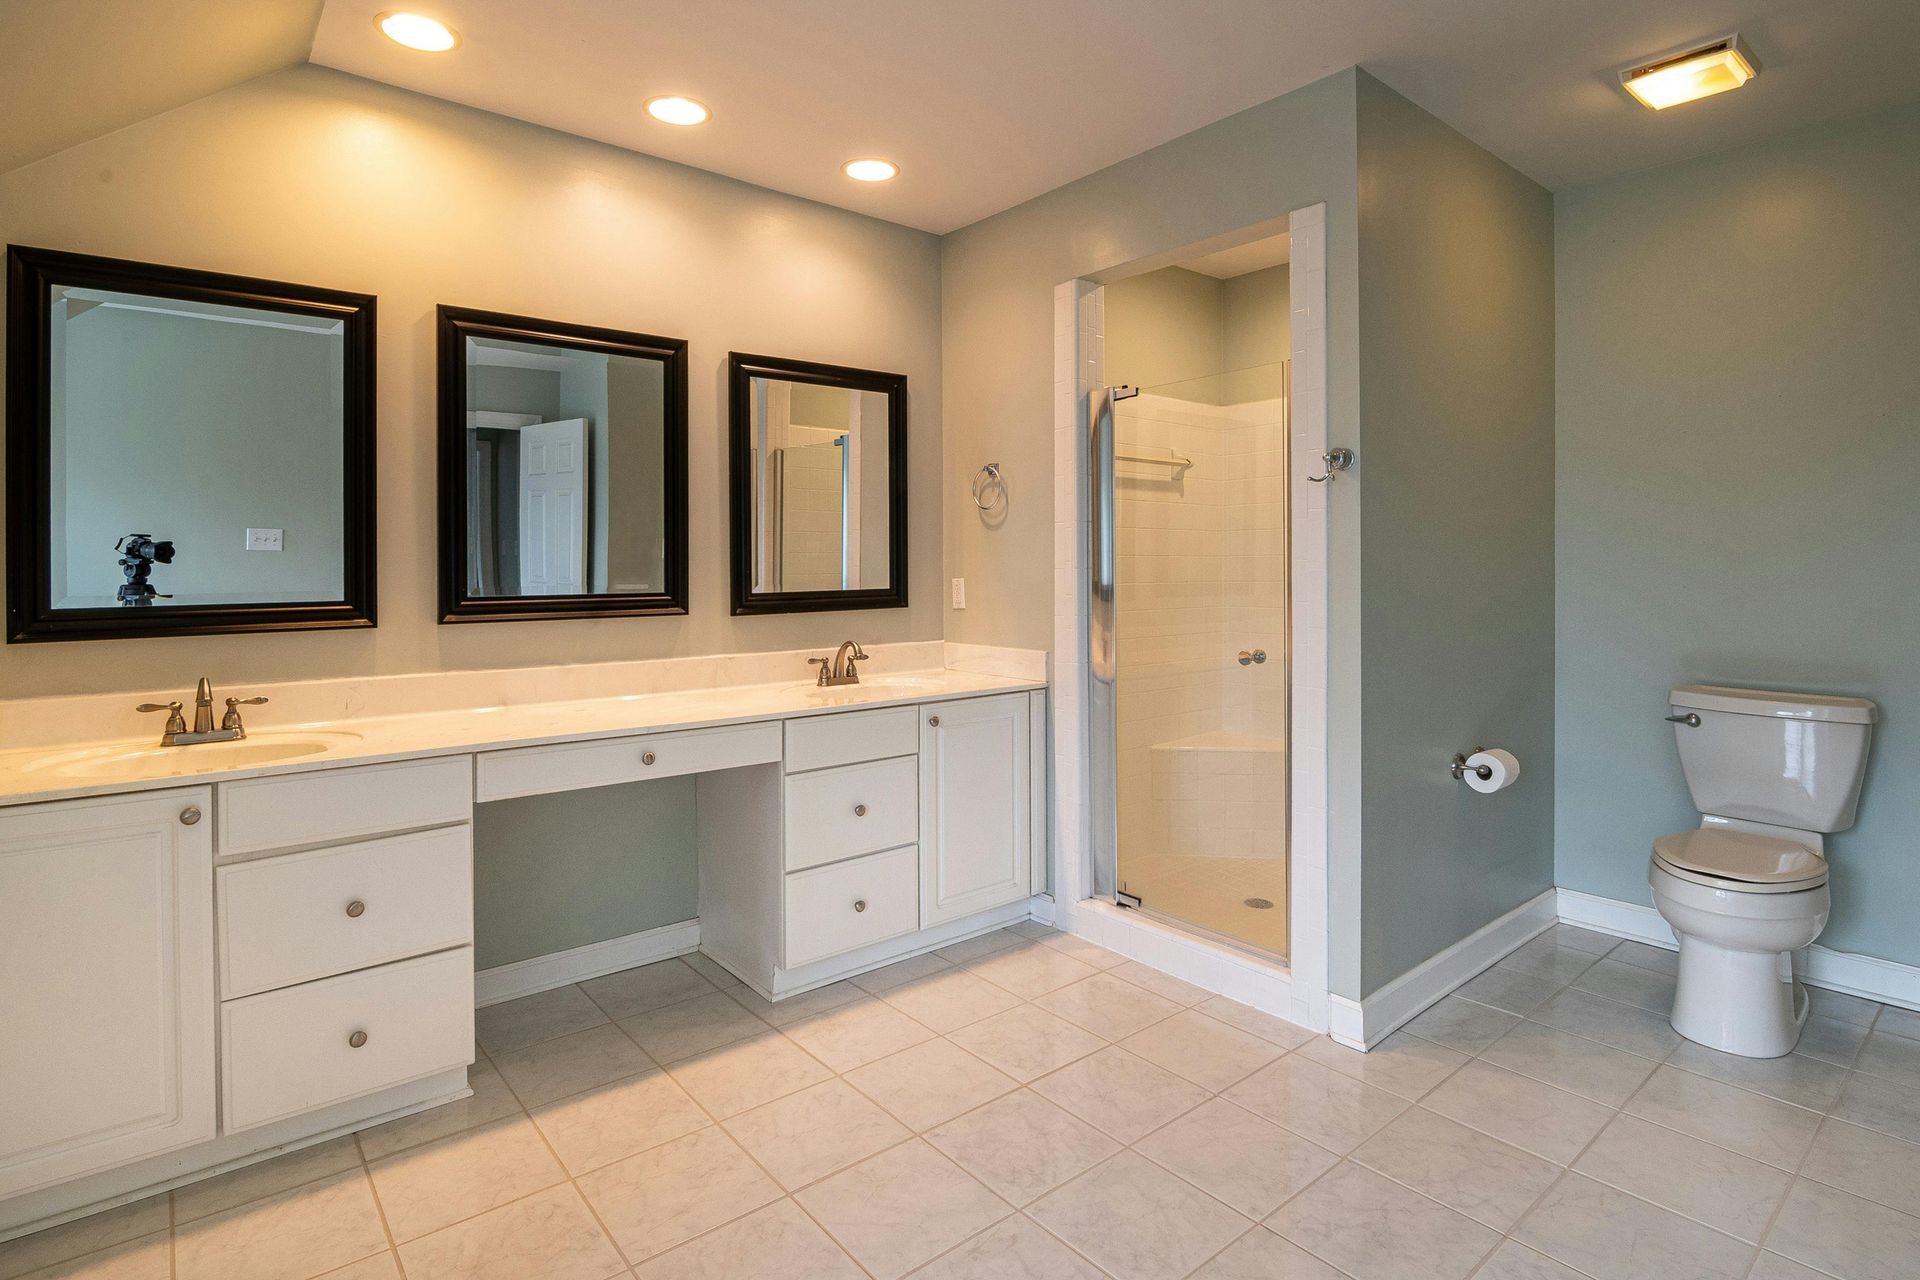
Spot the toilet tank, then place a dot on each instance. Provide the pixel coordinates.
(1787, 759)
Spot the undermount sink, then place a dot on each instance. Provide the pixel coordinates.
(118, 759)
(890, 684)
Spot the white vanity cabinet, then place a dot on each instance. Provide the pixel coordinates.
(106, 953)
(195, 977)
(976, 793)
(879, 827)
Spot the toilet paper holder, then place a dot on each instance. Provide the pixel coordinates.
(1459, 766)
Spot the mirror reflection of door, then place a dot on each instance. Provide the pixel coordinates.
(564, 494)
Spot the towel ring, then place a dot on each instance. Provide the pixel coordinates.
(987, 481)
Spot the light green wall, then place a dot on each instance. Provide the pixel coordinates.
(1739, 439)
(1455, 481)
(1194, 337)
(629, 864)
(1258, 332)
(1166, 330)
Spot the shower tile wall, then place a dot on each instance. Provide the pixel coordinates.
(1202, 569)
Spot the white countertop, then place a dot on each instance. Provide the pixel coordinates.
(71, 770)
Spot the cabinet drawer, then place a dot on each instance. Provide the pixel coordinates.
(859, 808)
(311, 915)
(258, 814)
(571, 766)
(292, 1050)
(820, 742)
(850, 904)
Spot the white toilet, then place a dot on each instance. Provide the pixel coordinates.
(1771, 773)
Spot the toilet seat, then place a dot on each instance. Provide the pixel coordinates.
(1741, 861)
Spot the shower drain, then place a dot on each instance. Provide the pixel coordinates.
(1260, 904)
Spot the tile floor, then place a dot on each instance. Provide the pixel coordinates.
(1027, 1105)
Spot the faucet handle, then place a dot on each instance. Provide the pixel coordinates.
(825, 664)
(232, 719)
(176, 723)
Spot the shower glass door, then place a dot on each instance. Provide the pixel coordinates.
(1199, 637)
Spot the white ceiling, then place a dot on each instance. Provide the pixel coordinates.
(1254, 255)
(71, 70)
(986, 103)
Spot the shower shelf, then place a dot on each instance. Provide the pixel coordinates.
(1171, 459)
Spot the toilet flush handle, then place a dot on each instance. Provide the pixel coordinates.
(1691, 720)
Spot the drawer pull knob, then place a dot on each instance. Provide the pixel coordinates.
(859, 811)
(356, 908)
(934, 721)
(357, 1039)
(190, 815)
(859, 904)
(646, 757)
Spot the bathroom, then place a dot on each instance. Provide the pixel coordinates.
(673, 1006)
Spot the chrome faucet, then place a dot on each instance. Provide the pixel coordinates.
(839, 669)
(176, 733)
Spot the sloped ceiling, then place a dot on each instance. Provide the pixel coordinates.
(75, 69)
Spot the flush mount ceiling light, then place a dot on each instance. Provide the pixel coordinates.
(671, 108)
(1697, 73)
(870, 170)
(417, 31)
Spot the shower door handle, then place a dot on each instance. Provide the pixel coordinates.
(1101, 558)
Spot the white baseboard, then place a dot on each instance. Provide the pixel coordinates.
(1040, 908)
(1856, 975)
(1364, 1024)
(544, 973)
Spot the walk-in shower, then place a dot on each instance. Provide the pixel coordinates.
(1188, 608)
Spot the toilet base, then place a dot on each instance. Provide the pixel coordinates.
(1741, 1002)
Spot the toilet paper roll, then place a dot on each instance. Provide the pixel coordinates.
(1506, 770)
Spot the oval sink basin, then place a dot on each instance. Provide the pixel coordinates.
(887, 684)
(119, 760)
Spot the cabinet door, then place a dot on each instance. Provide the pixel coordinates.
(106, 944)
(976, 841)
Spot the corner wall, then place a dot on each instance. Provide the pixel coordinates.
(1739, 439)
(1455, 480)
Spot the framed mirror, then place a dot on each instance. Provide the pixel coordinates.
(187, 453)
(563, 470)
(819, 486)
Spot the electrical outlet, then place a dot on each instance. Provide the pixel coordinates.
(266, 539)
(959, 593)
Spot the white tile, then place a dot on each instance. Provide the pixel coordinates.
(901, 1208)
(1603, 1232)
(1375, 1229)
(1137, 1221)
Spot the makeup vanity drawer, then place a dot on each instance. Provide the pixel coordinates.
(284, 812)
(848, 737)
(295, 1050)
(311, 915)
(850, 904)
(571, 766)
(837, 813)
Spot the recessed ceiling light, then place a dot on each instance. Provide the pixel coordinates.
(1698, 73)
(870, 170)
(671, 108)
(417, 31)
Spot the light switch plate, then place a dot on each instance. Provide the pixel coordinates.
(266, 539)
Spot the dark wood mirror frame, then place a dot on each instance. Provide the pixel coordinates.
(456, 325)
(741, 370)
(32, 275)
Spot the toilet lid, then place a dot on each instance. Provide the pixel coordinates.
(1746, 856)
